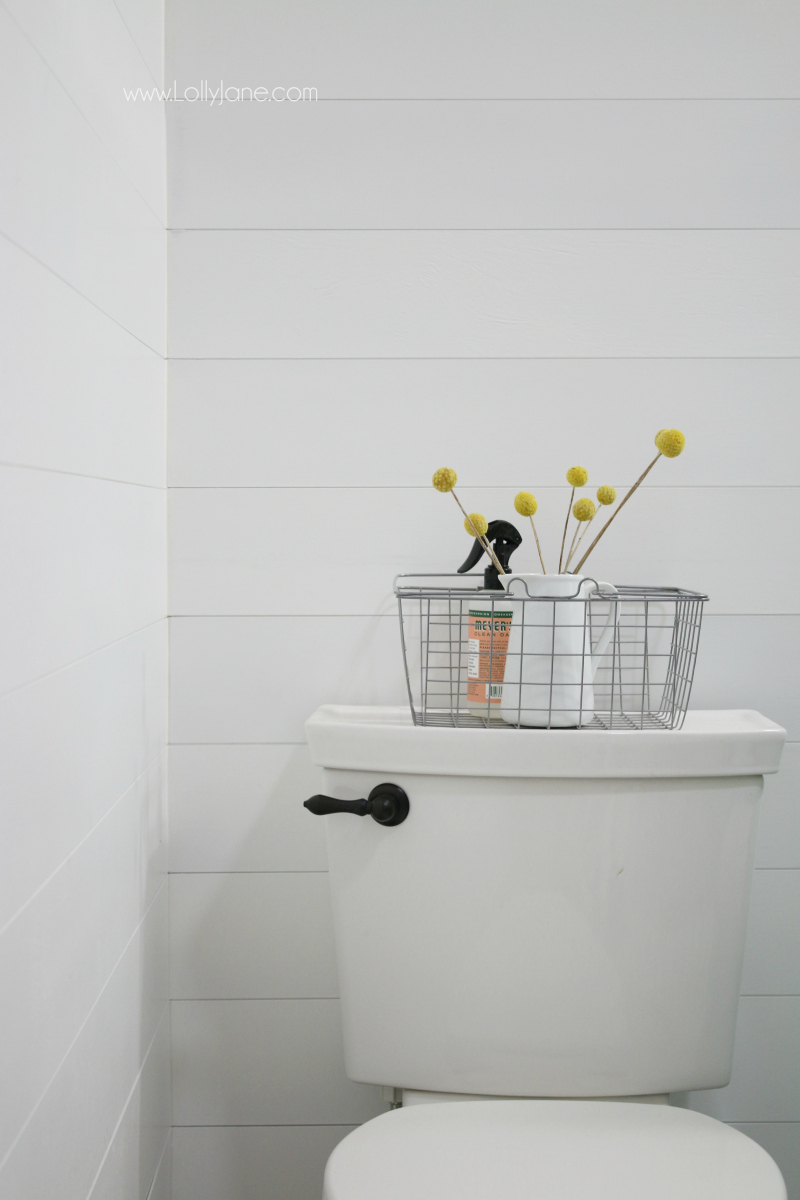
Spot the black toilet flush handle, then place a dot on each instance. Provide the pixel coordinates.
(387, 804)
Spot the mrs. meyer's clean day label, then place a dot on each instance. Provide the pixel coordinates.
(486, 659)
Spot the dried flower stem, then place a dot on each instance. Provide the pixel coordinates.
(622, 504)
(483, 541)
(573, 552)
(572, 545)
(566, 523)
(538, 547)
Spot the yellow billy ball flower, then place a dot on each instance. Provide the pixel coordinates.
(606, 494)
(583, 510)
(525, 504)
(577, 476)
(670, 442)
(445, 479)
(476, 523)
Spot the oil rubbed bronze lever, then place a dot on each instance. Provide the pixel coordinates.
(387, 804)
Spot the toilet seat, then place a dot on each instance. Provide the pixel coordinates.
(549, 1150)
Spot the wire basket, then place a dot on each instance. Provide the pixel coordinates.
(597, 657)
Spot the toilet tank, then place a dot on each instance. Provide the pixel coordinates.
(562, 913)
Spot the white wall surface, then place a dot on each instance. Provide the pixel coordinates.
(507, 238)
(85, 1047)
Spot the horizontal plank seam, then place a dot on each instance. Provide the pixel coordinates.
(551, 99)
(789, 742)
(392, 615)
(154, 487)
(419, 487)
(483, 228)
(327, 1124)
(469, 358)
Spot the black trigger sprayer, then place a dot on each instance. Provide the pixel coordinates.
(505, 538)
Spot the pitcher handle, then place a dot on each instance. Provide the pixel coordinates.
(608, 628)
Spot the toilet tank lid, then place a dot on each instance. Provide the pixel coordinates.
(725, 742)
(549, 1150)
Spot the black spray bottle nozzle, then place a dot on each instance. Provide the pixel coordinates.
(505, 538)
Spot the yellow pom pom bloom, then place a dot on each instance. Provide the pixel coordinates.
(577, 476)
(476, 523)
(525, 504)
(583, 510)
(670, 442)
(445, 479)
(606, 494)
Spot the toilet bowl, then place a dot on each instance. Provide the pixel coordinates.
(560, 915)
(549, 1150)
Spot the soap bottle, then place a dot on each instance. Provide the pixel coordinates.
(489, 623)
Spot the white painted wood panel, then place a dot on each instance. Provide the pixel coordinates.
(224, 671)
(254, 1163)
(772, 961)
(68, 204)
(779, 821)
(484, 294)
(144, 20)
(763, 1085)
(340, 423)
(477, 165)
(257, 679)
(232, 552)
(90, 52)
(781, 1139)
(749, 662)
(93, 403)
(131, 1160)
(264, 1062)
(60, 1149)
(79, 924)
(252, 936)
(477, 48)
(86, 559)
(235, 808)
(70, 746)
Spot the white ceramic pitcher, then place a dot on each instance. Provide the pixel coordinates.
(550, 667)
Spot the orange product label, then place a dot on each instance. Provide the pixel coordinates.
(486, 658)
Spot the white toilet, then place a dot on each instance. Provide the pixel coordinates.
(553, 933)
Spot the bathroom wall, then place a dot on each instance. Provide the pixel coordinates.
(84, 1058)
(507, 238)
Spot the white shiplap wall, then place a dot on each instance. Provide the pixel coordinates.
(85, 1043)
(508, 238)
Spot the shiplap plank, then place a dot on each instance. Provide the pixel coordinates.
(253, 1163)
(94, 403)
(68, 204)
(223, 555)
(252, 936)
(88, 562)
(409, 48)
(467, 165)
(70, 746)
(340, 423)
(234, 808)
(341, 294)
(264, 1062)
